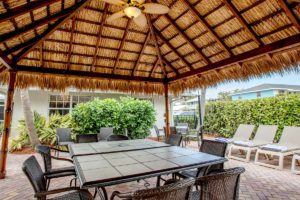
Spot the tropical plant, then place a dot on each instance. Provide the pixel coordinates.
(224, 117)
(46, 130)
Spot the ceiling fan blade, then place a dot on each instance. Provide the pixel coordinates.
(117, 2)
(155, 8)
(140, 1)
(115, 16)
(140, 20)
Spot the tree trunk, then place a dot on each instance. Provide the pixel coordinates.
(28, 116)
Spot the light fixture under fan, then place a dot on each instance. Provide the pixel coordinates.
(135, 10)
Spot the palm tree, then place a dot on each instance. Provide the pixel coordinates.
(28, 115)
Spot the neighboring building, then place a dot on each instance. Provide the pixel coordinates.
(47, 102)
(265, 90)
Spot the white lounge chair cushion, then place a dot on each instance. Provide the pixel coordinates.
(226, 140)
(274, 147)
(244, 143)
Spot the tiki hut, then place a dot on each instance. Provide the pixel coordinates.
(56, 44)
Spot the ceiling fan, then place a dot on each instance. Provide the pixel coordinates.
(135, 9)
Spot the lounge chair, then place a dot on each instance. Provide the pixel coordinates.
(264, 135)
(295, 162)
(288, 143)
(243, 132)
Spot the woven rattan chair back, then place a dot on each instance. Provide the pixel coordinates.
(45, 152)
(215, 148)
(174, 139)
(221, 186)
(117, 138)
(34, 173)
(105, 132)
(63, 134)
(87, 138)
(156, 131)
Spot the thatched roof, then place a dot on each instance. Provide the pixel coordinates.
(56, 44)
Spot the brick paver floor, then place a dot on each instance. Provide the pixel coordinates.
(256, 183)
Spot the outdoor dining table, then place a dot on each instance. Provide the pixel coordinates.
(98, 168)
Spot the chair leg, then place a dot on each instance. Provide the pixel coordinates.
(104, 196)
(281, 161)
(248, 155)
(48, 184)
(158, 181)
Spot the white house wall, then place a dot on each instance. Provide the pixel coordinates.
(40, 103)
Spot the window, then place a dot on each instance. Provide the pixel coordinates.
(1, 111)
(258, 94)
(63, 104)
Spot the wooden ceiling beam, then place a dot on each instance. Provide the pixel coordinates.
(161, 37)
(140, 54)
(121, 45)
(37, 40)
(266, 49)
(6, 61)
(156, 44)
(206, 24)
(256, 3)
(291, 15)
(71, 42)
(242, 21)
(103, 19)
(34, 25)
(154, 67)
(20, 10)
(86, 74)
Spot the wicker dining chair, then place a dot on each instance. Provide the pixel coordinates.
(63, 138)
(87, 138)
(117, 138)
(174, 139)
(105, 132)
(51, 173)
(219, 186)
(178, 191)
(211, 147)
(35, 175)
(158, 135)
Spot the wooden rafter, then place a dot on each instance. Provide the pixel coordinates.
(71, 42)
(242, 21)
(206, 24)
(121, 46)
(161, 37)
(154, 67)
(20, 10)
(6, 61)
(256, 3)
(36, 41)
(87, 74)
(34, 25)
(140, 54)
(266, 49)
(291, 15)
(103, 19)
(156, 44)
(189, 41)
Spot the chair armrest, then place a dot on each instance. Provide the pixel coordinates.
(127, 195)
(62, 159)
(50, 192)
(56, 149)
(57, 139)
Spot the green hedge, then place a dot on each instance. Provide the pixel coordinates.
(137, 116)
(224, 117)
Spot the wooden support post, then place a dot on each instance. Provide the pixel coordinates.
(7, 123)
(167, 109)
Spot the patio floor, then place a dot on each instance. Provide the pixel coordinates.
(256, 183)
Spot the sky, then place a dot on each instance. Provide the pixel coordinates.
(289, 79)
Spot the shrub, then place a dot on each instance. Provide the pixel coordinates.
(91, 116)
(137, 116)
(224, 117)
